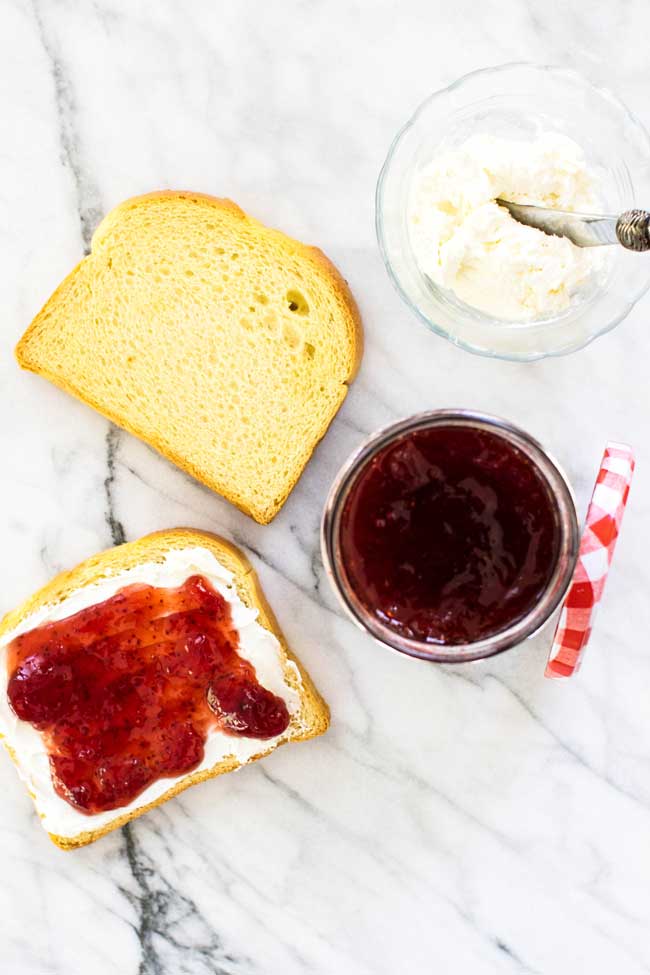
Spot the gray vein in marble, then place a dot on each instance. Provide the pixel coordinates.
(395, 867)
(620, 945)
(86, 192)
(245, 879)
(115, 526)
(398, 774)
(371, 393)
(455, 674)
(391, 864)
(174, 935)
(343, 420)
(312, 594)
(312, 553)
(52, 566)
(159, 490)
(63, 459)
(557, 740)
(514, 958)
(576, 756)
(106, 17)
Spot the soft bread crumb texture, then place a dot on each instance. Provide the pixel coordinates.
(225, 345)
(311, 720)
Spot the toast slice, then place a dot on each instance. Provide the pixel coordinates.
(225, 345)
(309, 717)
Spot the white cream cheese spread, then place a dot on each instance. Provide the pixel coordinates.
(256, 645)
(464, 242)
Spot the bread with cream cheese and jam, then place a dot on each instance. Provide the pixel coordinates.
(146, 669)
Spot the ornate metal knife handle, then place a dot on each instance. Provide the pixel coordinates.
(633, 230)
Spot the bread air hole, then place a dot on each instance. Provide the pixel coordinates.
(297, 302)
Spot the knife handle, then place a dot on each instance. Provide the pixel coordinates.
(633, 230)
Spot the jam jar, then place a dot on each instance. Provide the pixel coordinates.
(450, 536)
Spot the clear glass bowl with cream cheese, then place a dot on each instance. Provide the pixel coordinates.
(540, 135)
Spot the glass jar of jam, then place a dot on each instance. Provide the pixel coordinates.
(450, 536)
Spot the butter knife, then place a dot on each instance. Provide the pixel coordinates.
(631, 229)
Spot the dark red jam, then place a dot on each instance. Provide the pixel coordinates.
(448, 535)
(125, 692)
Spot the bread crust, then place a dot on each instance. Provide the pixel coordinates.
(312, 255)
(313, 717)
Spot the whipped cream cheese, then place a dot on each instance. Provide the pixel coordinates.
(256, 645)
(464, 242)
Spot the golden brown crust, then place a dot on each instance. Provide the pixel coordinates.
(313, 718)
(343, 289)
(322, 267)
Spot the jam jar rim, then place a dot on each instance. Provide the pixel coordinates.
(523, 628)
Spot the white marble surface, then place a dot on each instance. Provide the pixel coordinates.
(476, 820)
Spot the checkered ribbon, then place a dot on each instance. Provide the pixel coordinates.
(594, 559)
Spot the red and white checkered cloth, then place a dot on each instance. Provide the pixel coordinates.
(594, 558)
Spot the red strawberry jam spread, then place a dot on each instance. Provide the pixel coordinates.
(448, 535)
(126, 691)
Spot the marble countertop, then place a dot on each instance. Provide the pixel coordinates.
(476, 820)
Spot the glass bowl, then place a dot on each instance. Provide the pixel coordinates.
(519, 101)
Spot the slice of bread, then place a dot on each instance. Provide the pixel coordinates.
(309, 720)
(225, 345)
